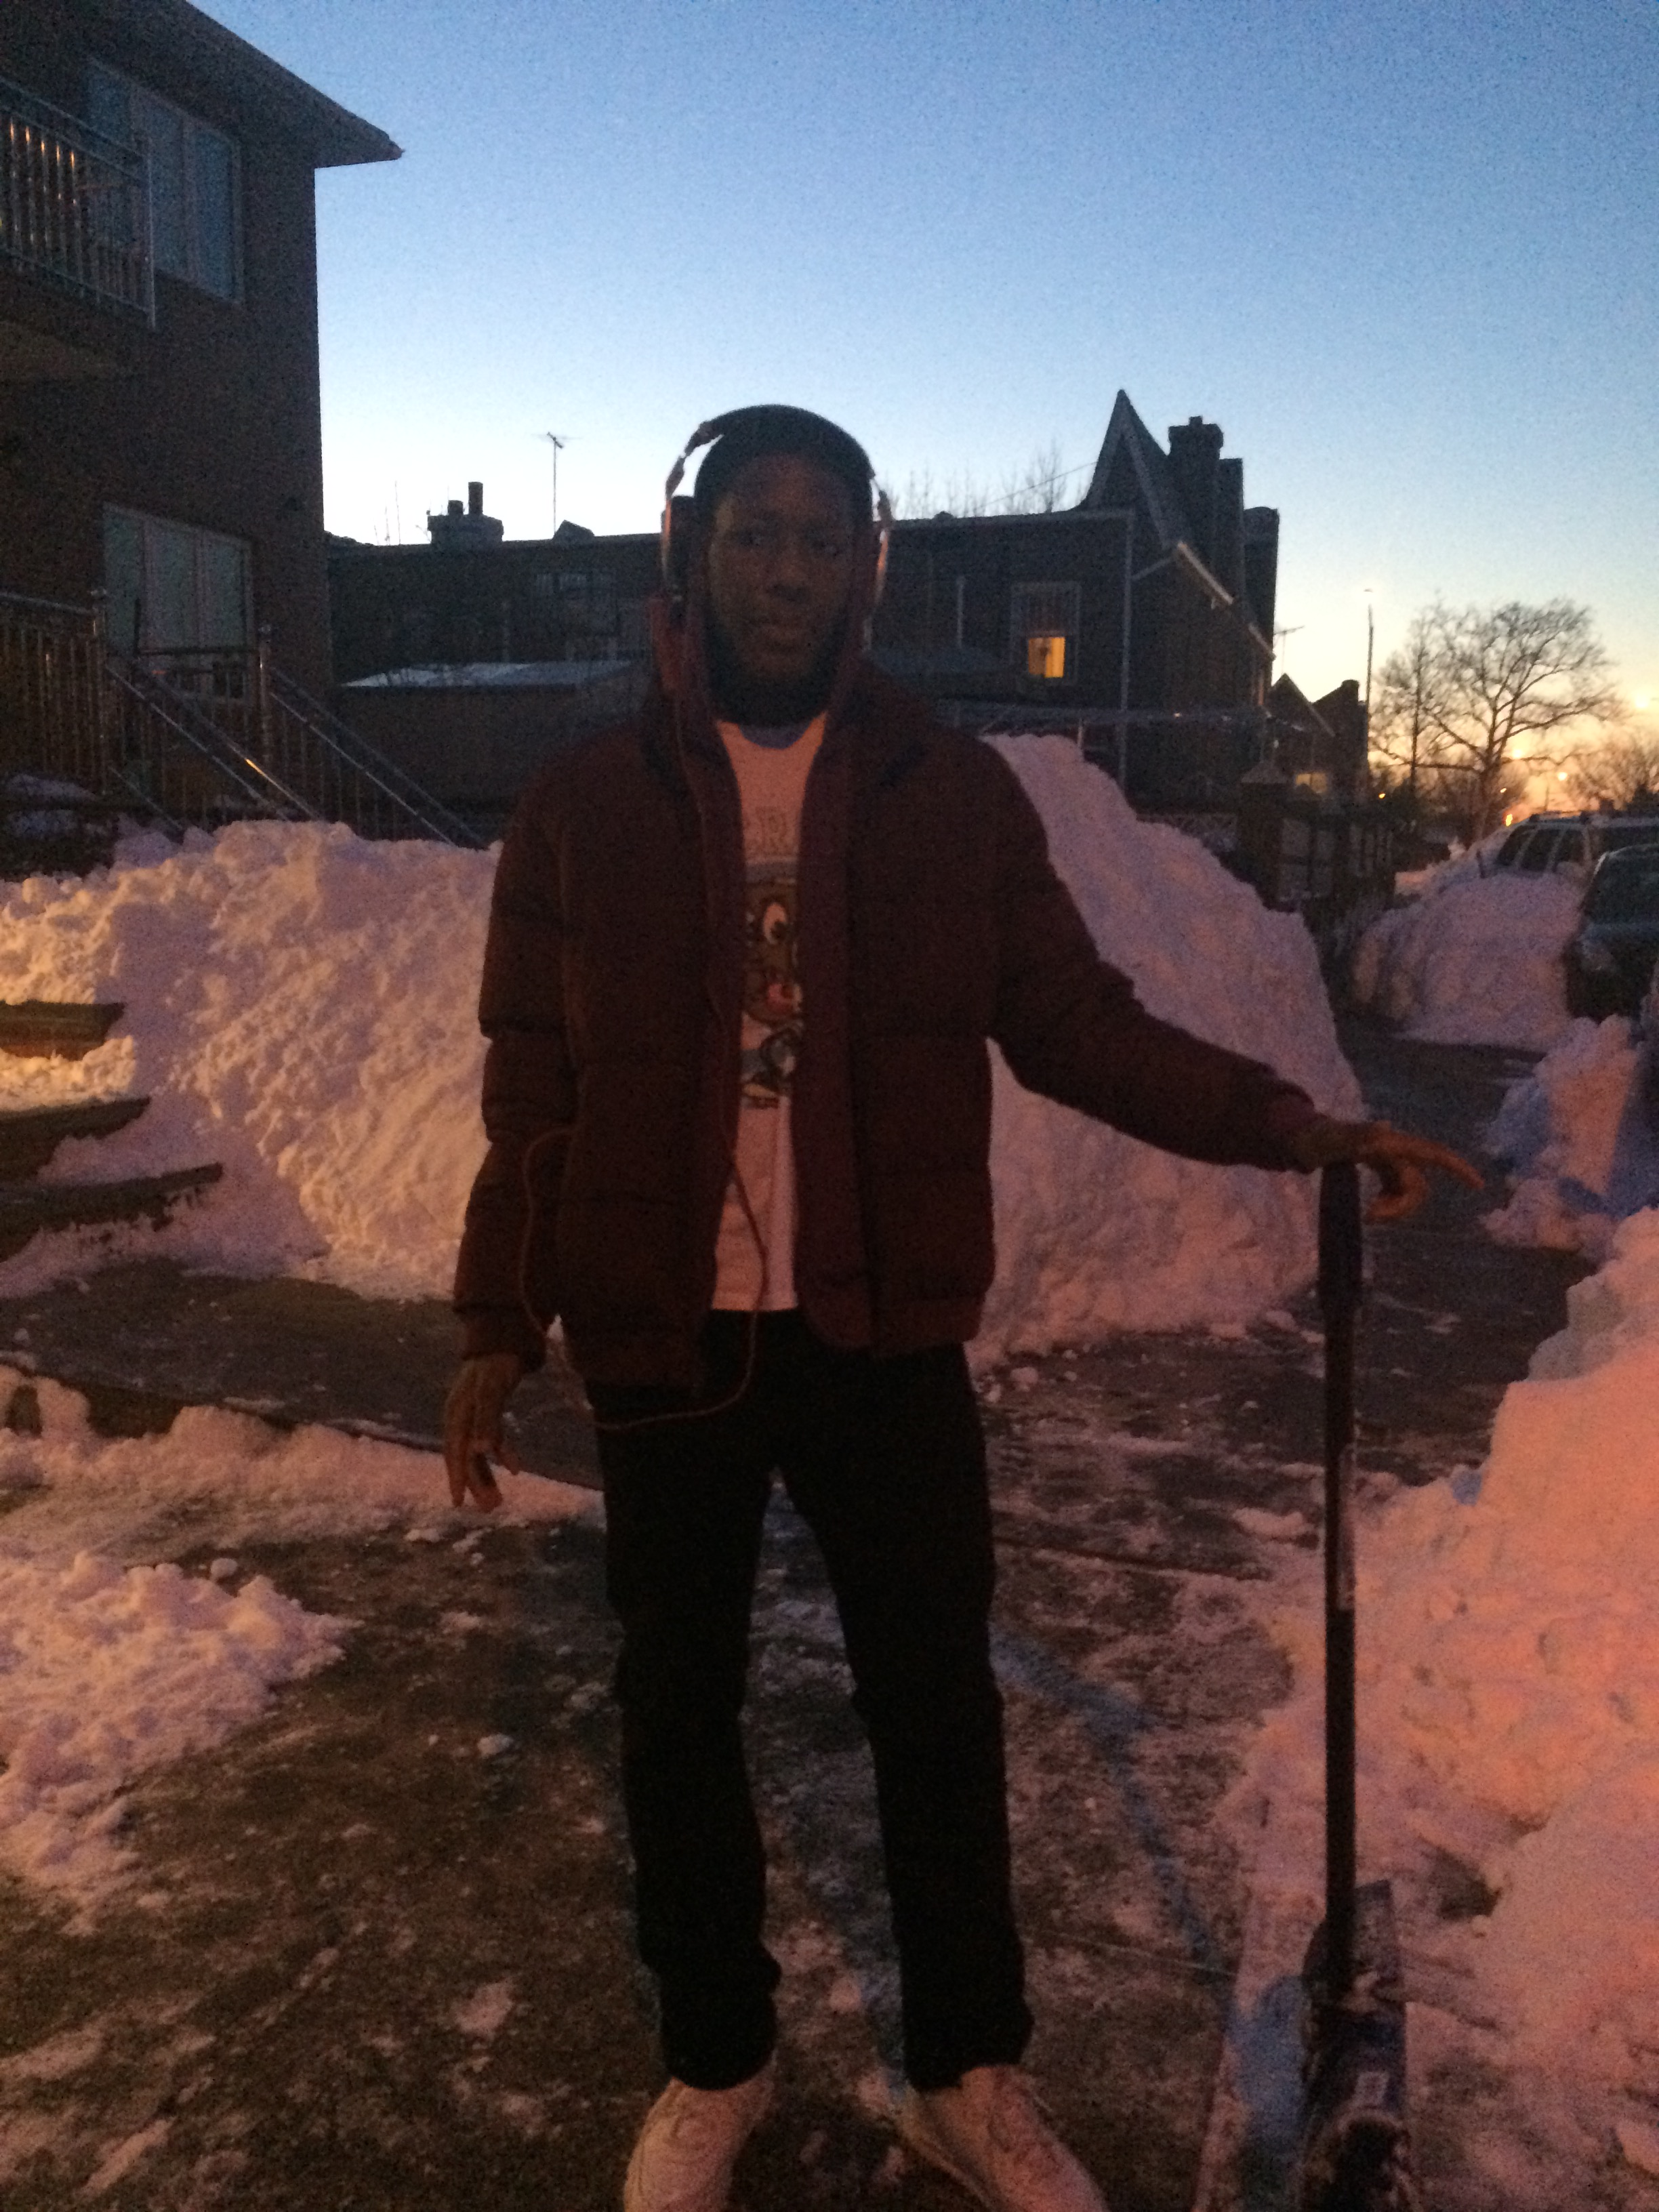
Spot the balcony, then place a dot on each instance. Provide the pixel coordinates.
(74, 207)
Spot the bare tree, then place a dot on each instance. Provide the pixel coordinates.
(1473, 692)
(1622, 773)
(1412, 700)
(1038, 488)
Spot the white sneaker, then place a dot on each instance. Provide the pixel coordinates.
(689, 2145)
(992, 2137)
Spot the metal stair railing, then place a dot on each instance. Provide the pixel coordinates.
(400, 806)
(192, 736)
(51, 679)
(315, 760)
(180, 764)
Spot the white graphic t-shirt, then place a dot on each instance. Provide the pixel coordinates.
(756, 1254)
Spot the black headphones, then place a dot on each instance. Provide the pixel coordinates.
(678, 512)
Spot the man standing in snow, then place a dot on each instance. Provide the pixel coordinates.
(745, 956)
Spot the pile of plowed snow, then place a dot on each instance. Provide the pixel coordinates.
(1580, 1137)
(1509, 1698)
(1094, 1230)
(1475, 960)
(301, 1007)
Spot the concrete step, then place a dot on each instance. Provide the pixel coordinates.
(30, 1137)
(25, 1208)
(49, 1029)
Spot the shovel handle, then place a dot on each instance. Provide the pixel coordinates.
(1341, 1240)
(1341, 1282)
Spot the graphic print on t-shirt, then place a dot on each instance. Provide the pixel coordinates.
(771, 986)
(754, 1258)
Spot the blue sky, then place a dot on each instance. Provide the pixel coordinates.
(1405, 253)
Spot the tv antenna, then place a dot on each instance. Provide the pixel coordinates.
(558, 443)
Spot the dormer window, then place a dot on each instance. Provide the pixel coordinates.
(195, 180)
(1045, 630)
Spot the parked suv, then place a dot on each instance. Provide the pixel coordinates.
(1575, 842)
(1610, 957)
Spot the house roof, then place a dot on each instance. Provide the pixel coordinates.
(1290, 703)
(1127, 434)
(192, 42)
(494, 676)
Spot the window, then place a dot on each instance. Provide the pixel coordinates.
(1045, 627)
(195, 182)
(173, 588)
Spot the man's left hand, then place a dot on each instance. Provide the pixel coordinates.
(1400, 1161)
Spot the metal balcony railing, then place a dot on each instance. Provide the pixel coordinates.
(75, 206)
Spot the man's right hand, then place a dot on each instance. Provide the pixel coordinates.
(473, 1426)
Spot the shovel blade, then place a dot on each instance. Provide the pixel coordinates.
(1356, 2152)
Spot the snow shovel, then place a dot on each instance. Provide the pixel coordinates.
(1355, 2143)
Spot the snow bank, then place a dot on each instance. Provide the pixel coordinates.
(1477, 961)
(1581, 1142)
(113, 1659)
(300, 1008)
(1096, 1232)
(1509, 1694)
(1468, 864)
(301, 1005)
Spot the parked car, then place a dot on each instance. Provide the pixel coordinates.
(1572, 843)
(1612, 955)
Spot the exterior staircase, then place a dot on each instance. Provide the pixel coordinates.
(192, 738)
(39, 1029)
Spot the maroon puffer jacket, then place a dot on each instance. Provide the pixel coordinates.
(931, 921)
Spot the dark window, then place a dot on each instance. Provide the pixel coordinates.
(195, 183)
(1627, 890)
(173, 588)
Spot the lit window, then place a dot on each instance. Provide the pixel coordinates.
(1045, 630)
(194, 180)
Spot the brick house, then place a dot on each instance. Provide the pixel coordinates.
(468, 597)
(1153, 595)
(160, 427)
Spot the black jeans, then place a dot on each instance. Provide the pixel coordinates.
(885, 1461)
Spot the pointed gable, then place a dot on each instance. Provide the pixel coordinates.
(1134, 470)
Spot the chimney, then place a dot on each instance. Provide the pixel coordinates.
(1227, 548)
(462, 531)
(1262, 566)
(1194, 463)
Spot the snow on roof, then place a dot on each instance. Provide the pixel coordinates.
(494, 676)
